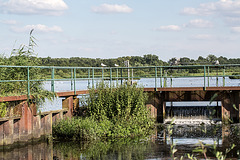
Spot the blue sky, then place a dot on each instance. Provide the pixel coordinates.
(115, 28)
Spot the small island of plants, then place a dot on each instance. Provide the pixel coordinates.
(112, 112)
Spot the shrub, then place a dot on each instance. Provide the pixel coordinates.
(111, 112)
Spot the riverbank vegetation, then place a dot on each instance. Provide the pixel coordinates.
(112, 112)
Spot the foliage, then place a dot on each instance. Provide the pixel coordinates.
(235, 76)
(123, 105)
(81, 129)
(23, 56)
(111, 112)
(3, 109)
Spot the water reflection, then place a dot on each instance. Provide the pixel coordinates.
(157, 146)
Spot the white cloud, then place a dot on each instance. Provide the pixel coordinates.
(169, 28)
(201, 37)
(38, 28)
(112, 8)
(45, 7)
(9, 22)
(228, 8)
(199, 23)
(235, 29)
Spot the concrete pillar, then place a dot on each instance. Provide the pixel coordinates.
(153, 111)
(225, 135)
(8, 132)
(230, 107)
(25, 124)
(75, 105)
(1, 133)
(36, 127)
(164, 110)
(156, 99)
(16, 125)
(56, 116)
(68, 105)
(46, 124)
(225, 111)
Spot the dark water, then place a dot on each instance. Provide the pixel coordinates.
(185, 139)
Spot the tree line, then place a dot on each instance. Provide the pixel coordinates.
(145, 60)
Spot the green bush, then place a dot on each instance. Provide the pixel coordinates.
(111, 112)
(81, 129)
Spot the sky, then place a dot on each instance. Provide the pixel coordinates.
(116, 28)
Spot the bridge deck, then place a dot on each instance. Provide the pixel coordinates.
(169, 89)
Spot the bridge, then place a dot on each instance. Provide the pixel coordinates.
(165, 83)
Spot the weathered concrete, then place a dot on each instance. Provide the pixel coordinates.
(153, 110)
(37, 127)
(8, 132)
(1, 133)
(46, 124)
(156, 101)
(24, 124)
(67, 104)
(57, 115)
(230, 107)
(25, 129)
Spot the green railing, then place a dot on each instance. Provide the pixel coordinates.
(160, 75)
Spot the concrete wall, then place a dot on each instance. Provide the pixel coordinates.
(24, 124)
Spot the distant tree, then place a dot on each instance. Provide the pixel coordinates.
(172, 61)
(211, 58)
(185, 61)
(223, 60)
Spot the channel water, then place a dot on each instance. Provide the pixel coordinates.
(189, 128)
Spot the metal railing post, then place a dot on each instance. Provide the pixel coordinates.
(71, 79)
(204, 77)
(132, 75)
(117, 77)
(102, 74)
(88, 78)
(121, 76)
(223, 76)
(217, 78)
(74, 75)
(92, 77)
(52, 82)
(155, 78)
(28, 83)
(208, 76)
(161, 77)
(110, 77)
(165, 80)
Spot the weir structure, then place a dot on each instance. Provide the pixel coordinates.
(22, 121)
